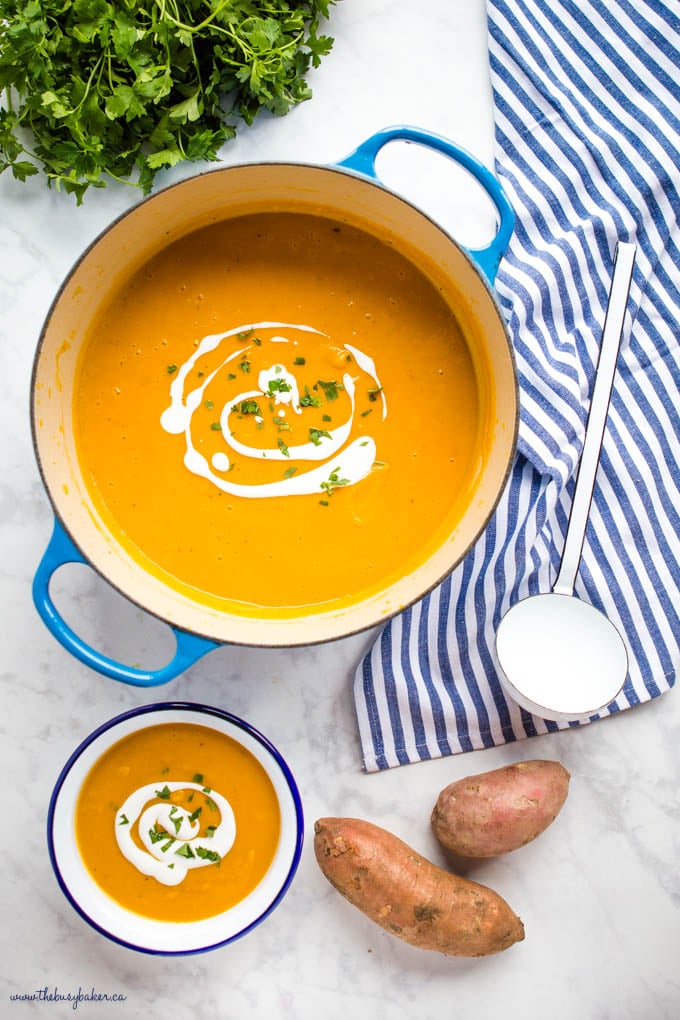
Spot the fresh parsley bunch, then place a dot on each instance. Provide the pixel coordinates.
(116, 88)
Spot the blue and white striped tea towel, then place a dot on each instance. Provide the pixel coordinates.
(587, 108)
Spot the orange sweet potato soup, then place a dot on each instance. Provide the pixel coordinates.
(279, 411)
(177, 822)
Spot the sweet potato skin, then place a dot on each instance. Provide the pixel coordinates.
(409, 896)
(502, 810)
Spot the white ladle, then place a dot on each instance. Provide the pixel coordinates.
(560, 657)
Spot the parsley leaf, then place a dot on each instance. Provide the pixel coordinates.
(330, 389)
(277, 386)
(246, 407)
(184, 851)
(316, 435)
(207, 855)
(334, 481)
(309, 400)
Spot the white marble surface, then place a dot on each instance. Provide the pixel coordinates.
(599, 892)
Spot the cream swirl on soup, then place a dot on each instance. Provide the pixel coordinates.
(291, 416)
(163, 840)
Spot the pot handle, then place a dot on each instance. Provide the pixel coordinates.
(362, 160)
(61, 550)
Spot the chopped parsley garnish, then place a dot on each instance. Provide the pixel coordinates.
(215, 426)
(165, 771)
(246, 407)
(278, 386)
(309, 400)
(334, 481)
(167, 846)
(282, 447)
(194, 814)
(172, 369)
(316, 435)
(373, 394)
(323, 502)
(289, 472)
(364, 413)
(326, 417)
(124, 820)
(244, 365)
(211, 830)
(155, 835)
(300, 361)
(211, 803)
(245, 335)
(198, 778)
(207, 855)
(164, 794)
(177, 822)
(209, 404)
(184, 851)
(330, 389)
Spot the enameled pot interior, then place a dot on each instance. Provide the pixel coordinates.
(213, 197)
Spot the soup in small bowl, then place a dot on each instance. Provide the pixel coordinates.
(175, 828)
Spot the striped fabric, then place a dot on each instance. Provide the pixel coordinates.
(587, 104)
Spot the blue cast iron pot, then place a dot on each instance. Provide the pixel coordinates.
(349, 190)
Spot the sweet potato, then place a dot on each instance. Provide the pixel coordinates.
(409, 896)
(501, 810)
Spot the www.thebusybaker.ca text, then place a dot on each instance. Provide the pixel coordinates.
(54, 995)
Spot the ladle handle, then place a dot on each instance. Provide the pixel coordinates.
(597, 417)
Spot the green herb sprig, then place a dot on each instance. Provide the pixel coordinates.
(334, 481)
(93, 90)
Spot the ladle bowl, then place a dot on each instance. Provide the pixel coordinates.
(560, 657)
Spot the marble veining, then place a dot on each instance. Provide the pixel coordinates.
(599, 892)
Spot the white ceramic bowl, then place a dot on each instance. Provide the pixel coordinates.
(142, 933)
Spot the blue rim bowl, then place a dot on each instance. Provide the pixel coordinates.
(145, 934)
